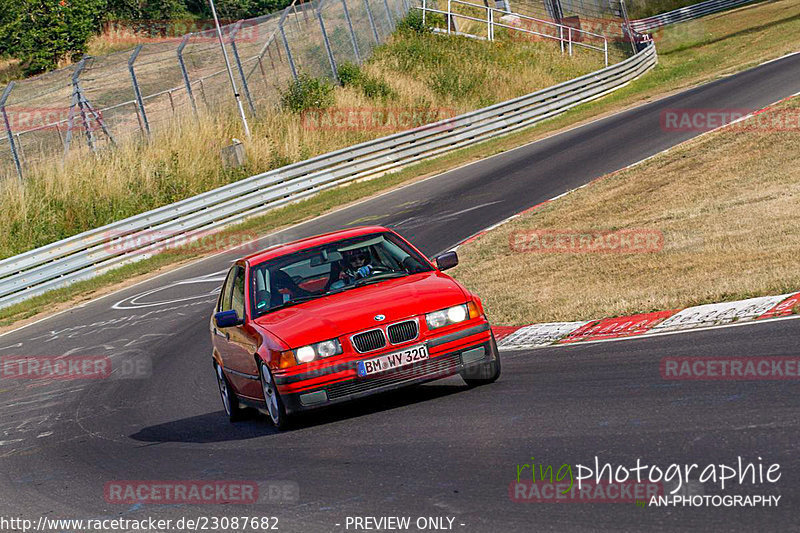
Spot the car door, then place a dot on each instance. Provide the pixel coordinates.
(219, 337)
(241, 342)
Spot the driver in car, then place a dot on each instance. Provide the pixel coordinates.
(357, 264)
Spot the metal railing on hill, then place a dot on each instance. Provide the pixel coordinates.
(685, 13)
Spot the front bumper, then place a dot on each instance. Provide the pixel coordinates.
(466, 359)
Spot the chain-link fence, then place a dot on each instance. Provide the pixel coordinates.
(109, 99)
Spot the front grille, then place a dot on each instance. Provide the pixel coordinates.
(438, 367)
(369, 341)
(402, 332)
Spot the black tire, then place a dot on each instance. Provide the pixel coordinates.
(485, 373)
(230, 402)
(275, 409)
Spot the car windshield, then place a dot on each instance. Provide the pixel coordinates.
(332, 268)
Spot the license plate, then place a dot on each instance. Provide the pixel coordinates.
(390, 361)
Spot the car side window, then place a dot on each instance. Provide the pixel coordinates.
(224, 303)
(237, 295)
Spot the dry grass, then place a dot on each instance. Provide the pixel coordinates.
(729, 221)
(10, 69)
(444, 75)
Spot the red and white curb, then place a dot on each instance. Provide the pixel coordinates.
(701, 316)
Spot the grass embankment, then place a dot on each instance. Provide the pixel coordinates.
(639, 9)
(436, 76)
(728, 217)
(689, 54)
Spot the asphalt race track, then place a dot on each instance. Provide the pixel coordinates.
(439, 450)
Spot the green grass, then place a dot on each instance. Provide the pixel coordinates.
(638, 9)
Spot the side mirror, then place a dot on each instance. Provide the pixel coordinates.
(227, 319)
(447, 260)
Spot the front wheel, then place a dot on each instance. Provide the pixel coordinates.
(229, 400)
(484, 373)
(275, 409)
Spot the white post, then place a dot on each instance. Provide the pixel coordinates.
(605, 49)
(424, 8)
(488, 23)
(561, 37)
(449, 19)
(569, 31)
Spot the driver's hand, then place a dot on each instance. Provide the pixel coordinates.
(364, 271)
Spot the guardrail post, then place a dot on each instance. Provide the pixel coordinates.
(185, 73)
(372, 22)
(235, 50)
(605, 49)
(9, 133)
(136, 92)
(331, 60)
(352, 33)
(288, 52)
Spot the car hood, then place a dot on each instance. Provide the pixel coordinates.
(355, 309)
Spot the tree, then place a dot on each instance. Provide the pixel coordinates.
(40, 33)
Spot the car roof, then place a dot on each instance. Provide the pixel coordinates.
(310, 242)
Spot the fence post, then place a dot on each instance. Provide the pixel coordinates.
(236, 58)
(327, 42)
(352, 33)
(605, 49)
(561, 38)
(389, 17)
(626, 25)
(184, 72)
(77, 101)
(137, 93)
(288, 52)
(424, 10)
(372, 22)
(9, 133)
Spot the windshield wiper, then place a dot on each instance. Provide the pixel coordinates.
(380, 277)
(292, 302)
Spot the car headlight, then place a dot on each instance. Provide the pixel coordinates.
(306, 354)
(451, 315)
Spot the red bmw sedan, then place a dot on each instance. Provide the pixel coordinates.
(340, 316)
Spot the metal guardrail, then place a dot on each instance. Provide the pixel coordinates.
(685, 13)
(90, 253)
